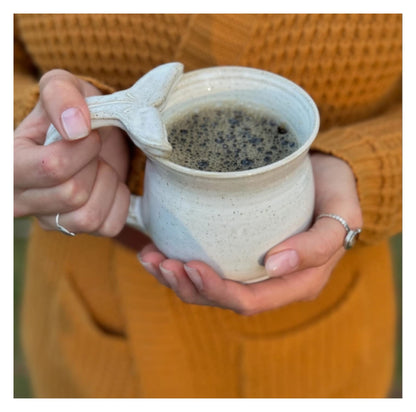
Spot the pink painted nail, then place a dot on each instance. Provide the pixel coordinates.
(74, 123)
(282, 263)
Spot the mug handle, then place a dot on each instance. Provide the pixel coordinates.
(99, 118)
(143, 124)
(137, 111)
(135, 216)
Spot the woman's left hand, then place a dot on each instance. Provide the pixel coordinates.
(298, 268)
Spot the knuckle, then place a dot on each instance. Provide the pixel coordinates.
(111, 227)
(247, 308)
(53, 78)
(74, 194)
(54, 166)
(88, 220)
(322, 251)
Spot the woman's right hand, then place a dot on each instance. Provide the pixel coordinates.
(82, 177)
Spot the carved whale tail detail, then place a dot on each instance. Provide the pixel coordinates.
(136, 110)
(153, 88)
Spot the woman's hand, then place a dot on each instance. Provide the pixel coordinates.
(80, 177)
(299, 267)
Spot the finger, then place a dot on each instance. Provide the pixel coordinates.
(309, 283)
(152, 255)
(151, 247)
(312, 248)
(116, 218)
(47, 166)
(70, 195)
(170, 273)
(150, 258)
(115, 149)
(217, 291)
(174, 273)
(90, 217)
(251, 299)
(62, 96)
(335, 188)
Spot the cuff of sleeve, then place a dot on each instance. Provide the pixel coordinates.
(373, 151)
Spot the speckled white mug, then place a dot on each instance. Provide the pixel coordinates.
(231, 219)
(228, 220)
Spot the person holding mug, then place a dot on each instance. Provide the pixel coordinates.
(96, 324)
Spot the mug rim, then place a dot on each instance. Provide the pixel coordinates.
(258, 170)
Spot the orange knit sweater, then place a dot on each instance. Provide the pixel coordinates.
(95, 324)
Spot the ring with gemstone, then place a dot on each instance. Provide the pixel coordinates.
(352, 234)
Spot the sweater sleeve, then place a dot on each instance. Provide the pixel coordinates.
(372, 148)
(26, 79)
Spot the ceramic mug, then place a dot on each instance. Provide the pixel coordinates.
(228, 220)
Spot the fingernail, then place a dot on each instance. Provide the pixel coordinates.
(194, 276)
(74, 123)
(281, 263)
(150, 267)
(169, 276)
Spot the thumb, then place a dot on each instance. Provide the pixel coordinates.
(309, 249)
(62, 97)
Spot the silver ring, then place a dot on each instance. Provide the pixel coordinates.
(352, 234)
(61, 228)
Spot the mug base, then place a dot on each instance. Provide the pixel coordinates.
(255, 280)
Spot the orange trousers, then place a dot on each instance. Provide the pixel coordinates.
(95, 324)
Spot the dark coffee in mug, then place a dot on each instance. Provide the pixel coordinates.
(228, 138)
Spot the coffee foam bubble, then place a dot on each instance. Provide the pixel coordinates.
(228, 137)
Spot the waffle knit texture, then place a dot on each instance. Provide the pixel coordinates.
(96, 325)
